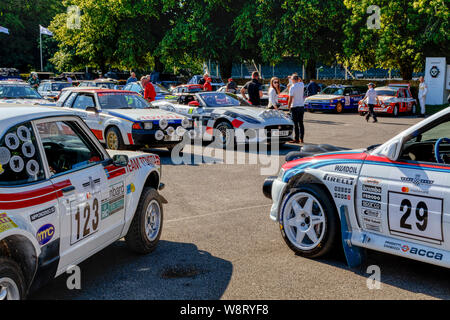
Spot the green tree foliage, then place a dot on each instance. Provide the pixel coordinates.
(20, 49)
(310, 30)
(121, 34)
(220, 30)
(409, 31)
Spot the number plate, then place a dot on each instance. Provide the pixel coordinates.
(417, 216)
(173, 137)
(276, 133)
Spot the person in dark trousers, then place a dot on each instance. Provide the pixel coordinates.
(296, 105)
(254, 89)
(372, 99)
(312, 88)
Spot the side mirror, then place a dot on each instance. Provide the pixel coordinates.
(194, 104)
(92, 109)
(392, 150)
(120, 160)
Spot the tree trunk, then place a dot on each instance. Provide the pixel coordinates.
(310, 70)
(406, 71)
(226, 67)
(159, 66)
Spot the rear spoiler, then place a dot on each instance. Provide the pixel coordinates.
(399, 85)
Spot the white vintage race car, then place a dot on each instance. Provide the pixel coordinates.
(123, 119)
(17, 92)
(231, 118)
(63, 197)
(392, 198)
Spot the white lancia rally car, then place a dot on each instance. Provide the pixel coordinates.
(393, 198)
(230, 119)
(63, 197)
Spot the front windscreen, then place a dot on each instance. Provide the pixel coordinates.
(119, 100)
(11, 91)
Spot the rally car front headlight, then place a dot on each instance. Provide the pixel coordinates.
(170, 131)
(148, 125)
(186, 123)
(159, 135)
(163, 123)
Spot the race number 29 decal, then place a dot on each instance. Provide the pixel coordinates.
(416, 216)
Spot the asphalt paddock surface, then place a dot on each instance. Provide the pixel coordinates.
(218, 241)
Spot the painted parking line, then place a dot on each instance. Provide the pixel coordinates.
(216, 213)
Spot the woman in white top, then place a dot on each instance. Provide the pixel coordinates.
(423, 89)
(274, 91)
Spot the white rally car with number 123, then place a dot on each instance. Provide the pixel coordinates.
(63, 197)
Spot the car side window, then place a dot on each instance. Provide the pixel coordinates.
(62, 98)
(84, 101)
(69, 101)
(20, 161)
(67, 147)
(401, 93)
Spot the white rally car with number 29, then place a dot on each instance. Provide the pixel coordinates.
(392, 198)
(63, 198)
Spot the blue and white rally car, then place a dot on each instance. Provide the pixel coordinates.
(122, 119)
(63, 197)
(392, 198)
(337, 98)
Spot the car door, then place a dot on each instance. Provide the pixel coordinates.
(77, 164)
(87, 108)
(409, 198)
(26, 195)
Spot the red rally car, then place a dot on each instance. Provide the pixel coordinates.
(394, 99)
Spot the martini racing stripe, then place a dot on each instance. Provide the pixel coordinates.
(317, 162)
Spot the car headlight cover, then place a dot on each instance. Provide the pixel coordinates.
(186, 123)
(163, 123)
(170, 131)
(159, 135)
(148, 125)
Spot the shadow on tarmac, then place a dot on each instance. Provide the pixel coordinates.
(173, 271)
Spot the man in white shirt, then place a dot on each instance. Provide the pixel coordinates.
(423, 89)
(297, 106)
(372, 99)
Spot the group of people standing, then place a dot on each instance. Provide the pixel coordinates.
(147, 86)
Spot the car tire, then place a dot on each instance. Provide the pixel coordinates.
(145, 229)
(12, 281)
(395, 111)
(113, 139)
(298, 231)
(225, 127)
(339, 108)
